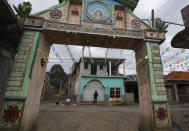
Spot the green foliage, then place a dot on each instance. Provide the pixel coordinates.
(58, 76)
(23, 10)
(161, 26)
(60, 1)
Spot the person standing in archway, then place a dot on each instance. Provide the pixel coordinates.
(95, 97)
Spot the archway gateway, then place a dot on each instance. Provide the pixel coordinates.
(109, 24)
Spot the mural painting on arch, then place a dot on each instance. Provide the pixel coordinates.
(105, 23)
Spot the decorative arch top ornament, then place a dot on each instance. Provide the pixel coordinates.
(136, 24)
(55, 14)
(98, 11)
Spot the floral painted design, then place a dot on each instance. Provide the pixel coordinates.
(55, 14)
(161, 114)
(11, 114)
(136, 24)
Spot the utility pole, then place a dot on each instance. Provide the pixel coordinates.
(82, 61)
(153, 24)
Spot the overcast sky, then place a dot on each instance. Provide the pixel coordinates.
(167, 10)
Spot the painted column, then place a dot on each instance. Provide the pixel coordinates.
(110, 68)
(154, 108)
(107, 93)
(22, 96)
(176, 92)
(19, 80)
(124, 68)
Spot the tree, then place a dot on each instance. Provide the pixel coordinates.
(23, 10)
(57, 76)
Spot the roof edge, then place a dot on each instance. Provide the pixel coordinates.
(141, 20)
(51, 8)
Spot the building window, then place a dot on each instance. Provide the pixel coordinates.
(93, 69)
(115, 93)
(101, 67)
(86, 66)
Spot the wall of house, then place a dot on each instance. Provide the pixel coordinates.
(75, 81)
(110, 82)
(86, 71)
(102, 72)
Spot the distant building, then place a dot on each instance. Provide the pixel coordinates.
(102, 75)
(177, 85)
(131, 89)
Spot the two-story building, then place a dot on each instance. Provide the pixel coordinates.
(102, 75)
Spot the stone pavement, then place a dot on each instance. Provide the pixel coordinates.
(101, 118)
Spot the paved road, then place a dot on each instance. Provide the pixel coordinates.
(102, 118)
(88, 118)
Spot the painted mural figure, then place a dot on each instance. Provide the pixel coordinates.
(98, 15)
(95, 97)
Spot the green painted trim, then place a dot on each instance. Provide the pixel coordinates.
(155, 51)
(156, 58)
(20, 56)
(160, 80)
(16, 74)
(160, 88)
(24, 48)
(155, 45)
(140, 20)
(67, 11)
(27, 41)
(153, 88)
(82, 12)
(14, 83)
(29, 33)
(157, 65)
(158, 72)
(19, 65)
(31, 69)
(26, 82)
(51, 8)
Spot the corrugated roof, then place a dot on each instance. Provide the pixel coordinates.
(177, 76)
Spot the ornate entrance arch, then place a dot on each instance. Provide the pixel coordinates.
(68, 23)
(90, 88)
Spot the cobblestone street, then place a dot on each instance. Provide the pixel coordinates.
(101, 118)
